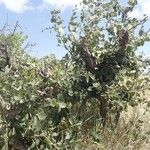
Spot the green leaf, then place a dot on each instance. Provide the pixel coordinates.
(37, 142)
(96, 85)
(41, 115)
(68, 135)
(54, 103)
(62, 105)
(132, 2)
(17, 98)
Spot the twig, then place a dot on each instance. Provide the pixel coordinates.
(141, 22)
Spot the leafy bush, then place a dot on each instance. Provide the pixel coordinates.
(50, 104)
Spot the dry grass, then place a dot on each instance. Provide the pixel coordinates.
(132, 133)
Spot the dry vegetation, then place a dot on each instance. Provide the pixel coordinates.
(132, 132)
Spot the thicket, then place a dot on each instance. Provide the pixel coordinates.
(49, 103)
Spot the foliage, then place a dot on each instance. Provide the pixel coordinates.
(48, 103)
(102, 41)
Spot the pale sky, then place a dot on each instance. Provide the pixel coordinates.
(34, 16)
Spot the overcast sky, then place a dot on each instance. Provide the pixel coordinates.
(34, 16)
